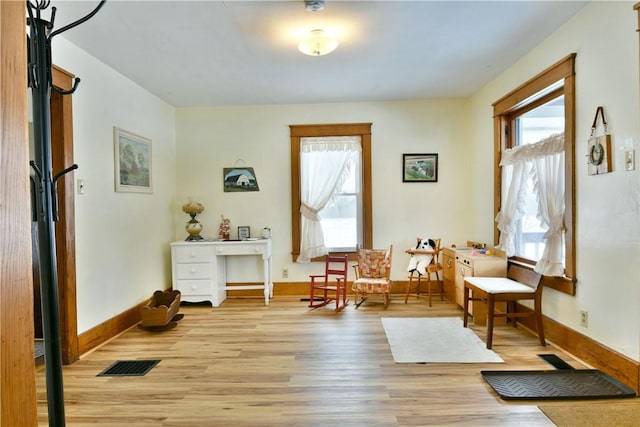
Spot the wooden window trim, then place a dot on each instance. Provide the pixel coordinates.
(502, 112)
(343, 129)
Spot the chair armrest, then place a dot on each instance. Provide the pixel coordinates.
(355, 268)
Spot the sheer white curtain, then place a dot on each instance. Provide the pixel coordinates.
(543, 164)
(324, 165)
(513, 208)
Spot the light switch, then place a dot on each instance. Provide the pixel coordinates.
(630, 160)
(80, 185)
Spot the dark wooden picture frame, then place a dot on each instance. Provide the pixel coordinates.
(420, 167)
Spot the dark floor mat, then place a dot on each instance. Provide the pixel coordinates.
(556, 384)
(555, 361)
(129, 368)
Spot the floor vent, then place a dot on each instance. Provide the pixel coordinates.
(129, 368)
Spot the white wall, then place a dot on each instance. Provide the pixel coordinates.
(607, 206)
(209, 139)
(121, 238)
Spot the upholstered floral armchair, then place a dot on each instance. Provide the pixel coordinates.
(373, 272)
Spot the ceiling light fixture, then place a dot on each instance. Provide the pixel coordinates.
(317, 43)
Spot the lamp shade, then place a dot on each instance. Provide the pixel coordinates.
(317, 43)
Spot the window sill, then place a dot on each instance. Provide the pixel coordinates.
(566, 285)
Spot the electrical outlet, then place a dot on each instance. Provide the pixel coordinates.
(285, 273)
(584, 318)
(80, 185)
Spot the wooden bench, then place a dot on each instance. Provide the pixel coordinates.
(520, 284)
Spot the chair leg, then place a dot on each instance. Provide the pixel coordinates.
(511, 309)
(490, 313)
(465, 315)
(429, 286)
(538, 315)
(359, 298)
(410, 285)
(341, 288)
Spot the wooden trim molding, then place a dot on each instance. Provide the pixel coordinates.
(62, 157)
(107, 330)
(588, 350)
(17, 367)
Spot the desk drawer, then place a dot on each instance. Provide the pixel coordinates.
(192, 253)
(193, 271)
(194, 287)
(243, 248)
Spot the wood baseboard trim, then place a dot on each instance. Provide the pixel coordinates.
(105, 331)
(588, 350)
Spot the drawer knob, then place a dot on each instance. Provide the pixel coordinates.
(192, 271)
(194, 287)
(192, 254)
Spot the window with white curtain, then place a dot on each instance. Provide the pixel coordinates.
(331, 200)
(534, 202)
(331, 193)
(531, 128)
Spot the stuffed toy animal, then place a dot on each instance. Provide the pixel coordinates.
(419, 262)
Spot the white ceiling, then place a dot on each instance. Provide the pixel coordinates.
(235, 52)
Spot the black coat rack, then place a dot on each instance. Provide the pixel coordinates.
(44, 194)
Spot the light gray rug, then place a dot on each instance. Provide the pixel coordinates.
(435, 340)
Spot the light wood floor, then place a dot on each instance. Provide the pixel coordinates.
(247, 364)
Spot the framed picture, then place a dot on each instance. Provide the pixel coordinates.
(420, 167)
(133, 165)
(239, 180)
(244, 232)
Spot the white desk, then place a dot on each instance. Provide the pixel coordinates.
(199, 269)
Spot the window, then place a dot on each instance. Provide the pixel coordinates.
(345, 214)
(531, 126)
(535, 218)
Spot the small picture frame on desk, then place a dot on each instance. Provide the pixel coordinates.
(244, 232)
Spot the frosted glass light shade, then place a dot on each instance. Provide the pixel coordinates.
(317, 44)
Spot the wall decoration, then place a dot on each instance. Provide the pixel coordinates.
(133, 163)
(240, 179)
(599, 147)
(225, 228)
(244, 232)
(420, 167)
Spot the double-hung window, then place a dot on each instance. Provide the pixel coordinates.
(331, 202)
(534, 204)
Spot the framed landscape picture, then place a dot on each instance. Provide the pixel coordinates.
(420, 167)
(133, 163)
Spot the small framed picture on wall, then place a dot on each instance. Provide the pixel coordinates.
(420, 167)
